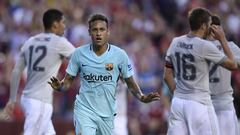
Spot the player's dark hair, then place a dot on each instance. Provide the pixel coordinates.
(96, 17)
(215, 20)
(50, 16)
(197, 17)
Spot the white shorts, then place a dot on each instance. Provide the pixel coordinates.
(120, 125)
(37, 117)
(228, 122)
(188, 117)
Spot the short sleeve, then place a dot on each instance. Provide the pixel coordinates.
(235, 50)
(126, 67)
(211, 53)
(65, 47)
(168, 60)
(73, 65)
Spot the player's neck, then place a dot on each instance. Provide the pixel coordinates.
(99, 50)
(52, 30)
(198, 33)
(48, 31)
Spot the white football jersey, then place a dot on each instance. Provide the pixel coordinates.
(43, 57)
(188, 55)
(121, 98)
(220, 79)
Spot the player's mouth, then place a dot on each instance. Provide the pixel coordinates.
(98, 39)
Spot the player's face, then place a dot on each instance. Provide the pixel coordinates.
(99, 33)
(60, 27)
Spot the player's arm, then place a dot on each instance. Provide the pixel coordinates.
(136, 91)
(168, 74)
(63, 85)
(14, 84)
(65, 48)
(228, 63)
(236, 52)
(168, 77)
(71, 70)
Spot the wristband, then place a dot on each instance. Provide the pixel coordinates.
(61, 89)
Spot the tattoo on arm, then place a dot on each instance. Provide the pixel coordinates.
(134, 88)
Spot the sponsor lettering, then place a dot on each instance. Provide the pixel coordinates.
(92, 77)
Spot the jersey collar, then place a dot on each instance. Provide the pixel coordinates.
(108, 48)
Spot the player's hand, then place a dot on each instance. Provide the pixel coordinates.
(55, 83)
(218, 32)
(7, 112)
(153, 96)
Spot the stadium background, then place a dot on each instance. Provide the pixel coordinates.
(144, 28)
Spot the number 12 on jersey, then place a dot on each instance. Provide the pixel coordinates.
(41, 51)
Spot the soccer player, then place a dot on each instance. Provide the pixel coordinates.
(120, 121)
(221, 89)
(99, 65)
(192, 111)
(42, 54)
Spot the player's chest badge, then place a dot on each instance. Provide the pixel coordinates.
(109, 66)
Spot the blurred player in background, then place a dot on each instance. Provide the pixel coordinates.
(221, 89)
(42, 56)
(192, 111)
(121, 120)
(99, 65)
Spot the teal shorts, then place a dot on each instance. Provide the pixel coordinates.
(88, 123)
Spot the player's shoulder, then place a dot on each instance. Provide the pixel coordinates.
(114, 47)
(207, 43)
(232, 44)
(116, 50)
(179, 38)
(59, 39)
(48, 37)
(32, 38)
(29, 42)
(213, 42)
(83, 48)
(184, 38)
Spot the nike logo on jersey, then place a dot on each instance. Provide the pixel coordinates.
(83, 65)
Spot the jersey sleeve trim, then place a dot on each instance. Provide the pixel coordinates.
(222, 60)
(168, 64)
(70, 73)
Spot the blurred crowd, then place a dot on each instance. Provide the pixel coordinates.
(144, 28)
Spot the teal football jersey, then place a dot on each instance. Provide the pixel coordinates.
(98, 77)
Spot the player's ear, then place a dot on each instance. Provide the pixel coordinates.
(89, 32)
(108, 32)
(54, 25)
(204, 26)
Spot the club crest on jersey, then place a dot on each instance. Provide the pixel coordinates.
(109, 66)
